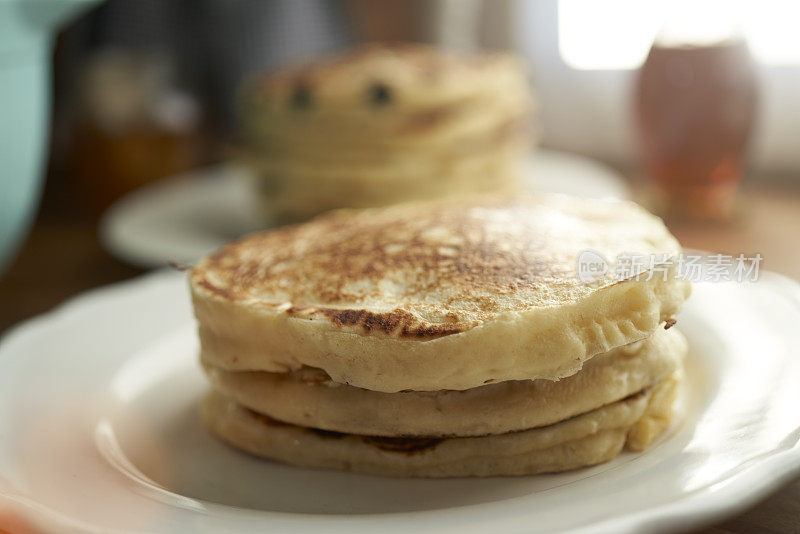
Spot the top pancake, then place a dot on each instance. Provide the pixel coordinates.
(432, 296)
(376, 96)
(375, 75)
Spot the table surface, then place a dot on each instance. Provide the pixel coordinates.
(62, 257)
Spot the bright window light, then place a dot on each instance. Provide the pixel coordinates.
(771, 30)
(617, 34)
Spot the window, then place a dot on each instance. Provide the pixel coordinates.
(616, 34)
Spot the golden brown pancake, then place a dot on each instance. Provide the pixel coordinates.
(379, 124)
(433, 296)
(384, 94)
(309, 397)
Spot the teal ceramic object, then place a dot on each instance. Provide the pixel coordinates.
(26, 31)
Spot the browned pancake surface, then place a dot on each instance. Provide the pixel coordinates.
(430, 270)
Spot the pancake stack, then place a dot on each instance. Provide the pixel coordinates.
(383, 124)
(442, 339)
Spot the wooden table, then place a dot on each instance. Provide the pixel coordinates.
(62, 257)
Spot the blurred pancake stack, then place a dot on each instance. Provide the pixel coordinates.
(442, 339)
(383, 124)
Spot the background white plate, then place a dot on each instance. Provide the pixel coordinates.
(99, 433)
(185, 217)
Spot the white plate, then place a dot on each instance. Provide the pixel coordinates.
(99, 432)
(180, 218)
(183, 218)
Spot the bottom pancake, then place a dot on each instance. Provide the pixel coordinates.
(591, 438)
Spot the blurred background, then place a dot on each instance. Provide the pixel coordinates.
(583, 57)
(688, 107)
